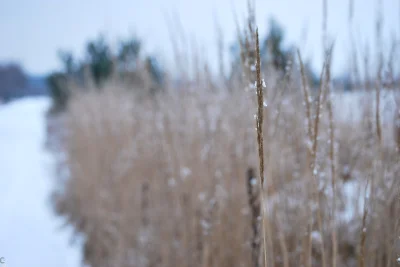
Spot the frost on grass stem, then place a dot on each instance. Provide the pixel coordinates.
(264, 85)
(253, 181)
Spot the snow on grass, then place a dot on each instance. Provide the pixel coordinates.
(30, 234)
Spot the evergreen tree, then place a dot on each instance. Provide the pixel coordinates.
(100, 60)
(272, 50)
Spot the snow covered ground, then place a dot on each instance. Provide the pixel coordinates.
(30, 235)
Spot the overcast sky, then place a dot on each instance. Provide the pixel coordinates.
(33, 30)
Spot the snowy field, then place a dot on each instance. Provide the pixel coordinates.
(30, 235)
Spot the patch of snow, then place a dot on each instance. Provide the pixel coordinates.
(30, 235)
(316, 237)
(253, 181)
(353, 193)
(185, 172)
(205, 225)
(171, 182)
(202, 196)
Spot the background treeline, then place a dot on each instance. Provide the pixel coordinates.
(128, 64)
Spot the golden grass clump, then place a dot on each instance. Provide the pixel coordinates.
(161, 181)
(169, 179)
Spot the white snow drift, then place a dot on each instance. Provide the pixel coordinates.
(30, 234)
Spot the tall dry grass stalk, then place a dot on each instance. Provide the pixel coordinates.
(363, 233)
(332, 158)
(396, 123)
(253, 192)
(260, 138)
(307, 96)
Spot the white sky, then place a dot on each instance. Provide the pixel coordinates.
(33, 30)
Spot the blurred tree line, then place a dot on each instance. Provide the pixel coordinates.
(274, 54)
(16, 83)
(100, 64)
(12, 79)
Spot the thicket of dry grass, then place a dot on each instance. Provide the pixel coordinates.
(162, 181)
(171, 179)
